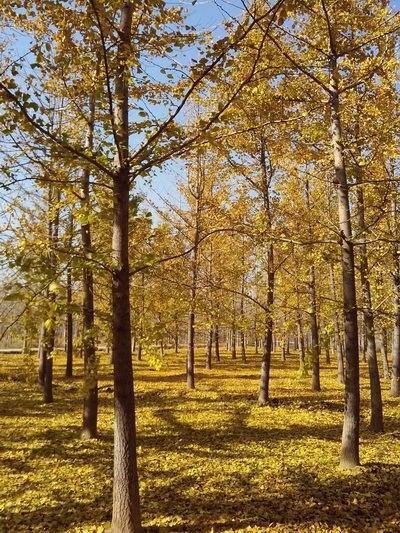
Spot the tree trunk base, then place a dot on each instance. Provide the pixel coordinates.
(87, 434)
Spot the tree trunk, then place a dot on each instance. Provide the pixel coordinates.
(328, 351)
(233, 342)
(209, 348)
(216, 342)
(315, 348)
(69, 326)
(266, 178)
(176, 335)
(90, 402)
(384, 353)
(351, 423)
(395, 384)
(126, 503)
(193, 291)
(363, 340)
(338, 340)
(256, 345)
(242, 334)
(41, 357)
(300, 342)
(243, 346)
(69, 329)
(263, 395)
(49, 327)
(376, 421)
(141, 316)
(48, 348)
(190, 351)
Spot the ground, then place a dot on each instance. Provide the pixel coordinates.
(209, 459)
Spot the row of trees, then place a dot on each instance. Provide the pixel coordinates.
(288, 220)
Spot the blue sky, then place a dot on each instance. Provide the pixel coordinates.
(205, 14)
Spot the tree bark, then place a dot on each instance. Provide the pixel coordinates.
(126, 503)
(233, 342)
(198, 189)
(191, 318)
(315, 348)
(376, 421)
(90, 364)
(395, 382)
(49, 332)
(384, 353)
(41, 357)
(328, 350)
(69, 325)
(263, 396)
(256, 345)
(216, 343)
(209, 348)
(300, 342)
(351, 424)
(242, 333)
(176, 335)
(338, 340)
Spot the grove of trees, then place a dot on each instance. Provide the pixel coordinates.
(170, 188)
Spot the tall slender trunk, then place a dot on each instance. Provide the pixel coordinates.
(376, 421)
(328, 350)
(242, 333)
(300, 342)
(141, 316)
(48, 347)
(216, 343)
(69, 326)
(49, 331)
(395, 384)
(312, 291)
(283, 351)
(351, 424)
(243, 346)
(363, 339)
(384, 353)
(209, 348)
(41, 357)
(338, 340)
(263, 395)
(256, 345)
(176, 334)
(233, 342)
(25, 342)
(315, 348)
(126, 502)
(90, 401)
(196, 186)
(191, 318)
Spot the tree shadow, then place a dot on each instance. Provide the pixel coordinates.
(364, 501)
(59, 517)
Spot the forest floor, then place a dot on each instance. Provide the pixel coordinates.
(209, 459)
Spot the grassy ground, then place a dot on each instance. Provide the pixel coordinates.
(209, 459)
